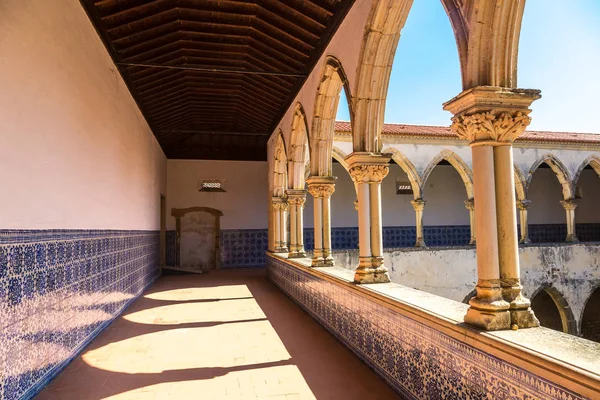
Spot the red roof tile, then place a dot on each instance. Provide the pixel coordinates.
(445, 132)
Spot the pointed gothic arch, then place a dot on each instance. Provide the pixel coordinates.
(409, 169)
(566, 321)
(298, 152)
(333, 80)
(561, 172)
(381, 35)
(592, 161)
(520, 183)
(280, 179)
(487, 36)
(459, 165)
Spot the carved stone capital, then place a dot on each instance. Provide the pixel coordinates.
(470, 204)
(321, 186)
(278, 203)
(418, 204)
(570, 204)
(492, 125)
(296, 197)
(367, 167)
(490, 113)
(523, 204)
(368, 173)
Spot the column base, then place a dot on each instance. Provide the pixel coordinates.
(572, 238)
(371, 270)
(328, 258)
(488, 311)
(525, 241)
(472, 242)
(420, 243)
(521, 313)
(297, 254)
(488, 320)
(524, 318)
(317, 262)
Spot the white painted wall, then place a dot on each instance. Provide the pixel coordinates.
(444, 192)
(245, 202)
(75, 151)
(587, 210)
(545, 193)
(573, 270)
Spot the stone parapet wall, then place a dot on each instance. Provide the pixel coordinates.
(571, 270)
(426, 355)
(58, 290)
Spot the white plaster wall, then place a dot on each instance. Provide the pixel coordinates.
(75, 151)
(587, 211)
(244, 204)
(445, 194)
(573, 270)
(545, 193)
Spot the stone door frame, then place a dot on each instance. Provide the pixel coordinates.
(180, 212)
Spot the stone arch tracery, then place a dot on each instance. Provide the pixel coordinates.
(382, 32)
(487, 36)
(332, 82)
(298, 152)
(280, 179)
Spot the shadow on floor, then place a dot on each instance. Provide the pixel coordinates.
(260, 329)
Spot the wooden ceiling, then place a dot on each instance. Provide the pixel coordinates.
(214, 77)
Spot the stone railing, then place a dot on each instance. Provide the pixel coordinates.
(417, 342)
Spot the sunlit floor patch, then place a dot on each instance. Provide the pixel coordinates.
(224, 335)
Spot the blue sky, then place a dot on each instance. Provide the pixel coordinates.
(559, 53)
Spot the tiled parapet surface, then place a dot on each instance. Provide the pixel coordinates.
(417, 360)
(58, 290)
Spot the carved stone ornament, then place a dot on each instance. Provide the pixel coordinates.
(280, 206)
(418, 204)
(296, 200)
(523, 204)
(570, 204)
(321, 190)
(369, 173)
(470, 204)
(492, 125)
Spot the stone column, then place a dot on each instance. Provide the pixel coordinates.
(470, 205)
(296, 199)
(419, 206)
(279, 222)
(283, 226)
(523, 206)
(570, 205)
(276, 226)
(367, 171)
(491, 118)
(321, 188)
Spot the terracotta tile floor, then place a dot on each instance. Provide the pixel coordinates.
(223, 335)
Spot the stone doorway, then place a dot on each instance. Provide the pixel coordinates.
(197, 238)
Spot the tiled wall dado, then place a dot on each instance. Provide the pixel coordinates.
(58, 290)
(247, 247)
(416, 360)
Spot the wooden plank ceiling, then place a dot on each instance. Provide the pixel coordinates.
(214, 77)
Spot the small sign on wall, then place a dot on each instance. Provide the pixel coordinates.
(211, 185)
(403, 187)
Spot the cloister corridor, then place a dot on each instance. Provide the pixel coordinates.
(226, 334)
